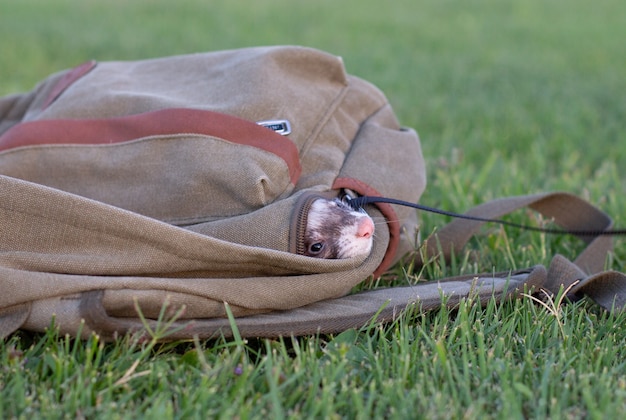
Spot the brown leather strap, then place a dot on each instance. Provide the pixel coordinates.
(583, 276)
(167, 121)
(327, 316)
(607, 288)
(568, 211)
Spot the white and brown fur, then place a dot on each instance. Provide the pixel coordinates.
(336, 230)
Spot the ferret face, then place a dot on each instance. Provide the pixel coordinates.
(335, 230)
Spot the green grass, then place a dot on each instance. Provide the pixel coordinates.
(508, 97)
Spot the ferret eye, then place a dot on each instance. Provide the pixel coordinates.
(316, 248)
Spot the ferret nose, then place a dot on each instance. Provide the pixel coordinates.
(365, 229)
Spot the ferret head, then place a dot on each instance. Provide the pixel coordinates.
(335, 230)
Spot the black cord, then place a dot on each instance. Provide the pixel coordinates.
(360, 202)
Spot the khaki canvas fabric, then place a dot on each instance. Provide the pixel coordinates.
(151, 180)
(128, 185)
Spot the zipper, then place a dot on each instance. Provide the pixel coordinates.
(299, 220)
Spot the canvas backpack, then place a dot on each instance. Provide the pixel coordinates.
(130, 188)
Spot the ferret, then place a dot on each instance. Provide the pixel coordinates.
(336, 230)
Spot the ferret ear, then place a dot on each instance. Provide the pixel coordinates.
(346, 195)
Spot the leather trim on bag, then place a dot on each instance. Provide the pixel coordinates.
(162, 122)
(67, 80)
(393, 223)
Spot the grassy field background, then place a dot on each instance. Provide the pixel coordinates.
(508, 98)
